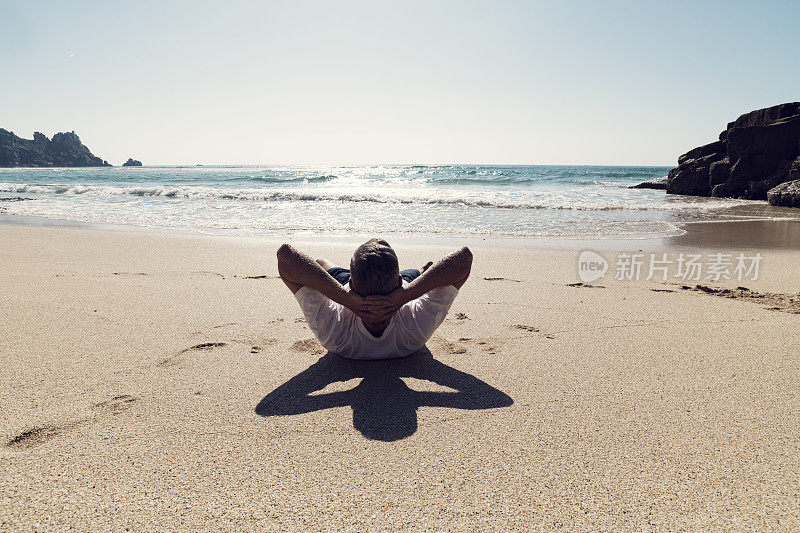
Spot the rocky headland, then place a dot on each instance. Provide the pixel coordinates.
(63, 150)
(756, 157)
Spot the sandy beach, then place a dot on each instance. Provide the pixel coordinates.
(167, 381)
(603, 202)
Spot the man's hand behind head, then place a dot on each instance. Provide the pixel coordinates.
(385, 306)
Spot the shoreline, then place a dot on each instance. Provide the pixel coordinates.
(540, 206)
(749, 232)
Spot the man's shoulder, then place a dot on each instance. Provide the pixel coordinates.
(446, 292)
(433, 301)
(326, 318)
(306, 293)
(310, 298)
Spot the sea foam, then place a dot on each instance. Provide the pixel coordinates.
(435, 199)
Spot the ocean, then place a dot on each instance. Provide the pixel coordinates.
(425, 200)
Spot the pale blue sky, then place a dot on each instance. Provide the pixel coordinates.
(393, 82)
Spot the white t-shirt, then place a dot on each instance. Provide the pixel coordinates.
(341, 331)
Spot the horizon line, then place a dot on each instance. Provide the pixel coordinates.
(157, 165)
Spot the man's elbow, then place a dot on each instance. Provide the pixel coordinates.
(467, 253)
(284, 252)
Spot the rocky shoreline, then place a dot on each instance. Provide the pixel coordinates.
(63, 150)
(757, 157)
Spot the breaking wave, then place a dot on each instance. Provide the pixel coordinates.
(477, 199)
(426, 199)
(295, 179)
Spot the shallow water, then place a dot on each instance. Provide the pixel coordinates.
(526, 201)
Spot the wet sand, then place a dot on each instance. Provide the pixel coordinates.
(739, 235)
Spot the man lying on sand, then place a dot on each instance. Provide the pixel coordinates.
(373, 310)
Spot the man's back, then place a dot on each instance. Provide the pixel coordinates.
(341, 331)
(371, 312)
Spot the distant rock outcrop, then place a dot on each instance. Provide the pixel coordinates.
(658, 183)
(786, 194)
(63, 150)
(131, 162)
(756, 152)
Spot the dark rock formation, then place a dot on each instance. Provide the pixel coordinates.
(754, 154)
(131, 162)
(786, 194)
(658, 183)
(63, 150)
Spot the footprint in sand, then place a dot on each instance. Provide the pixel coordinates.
(116, 405)
(175, 359)
(533, 329)
(130, 273)
(785, 303)
(205, 346)
(461, 316)
(259, 342)
(444, 345)
(456, 348)
(30, 438)
(308, 346)
(207, 273)
(256, 345)
(503, 279)
(487, 347)
(35, 436)
(586, 285)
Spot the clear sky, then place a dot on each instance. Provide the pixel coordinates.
(559, 82)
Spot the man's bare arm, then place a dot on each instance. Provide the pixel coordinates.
(452, 270)
(298, 270)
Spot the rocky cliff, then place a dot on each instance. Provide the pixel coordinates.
(756, 152)
(63, 150)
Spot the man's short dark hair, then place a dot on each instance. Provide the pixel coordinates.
(374, 268)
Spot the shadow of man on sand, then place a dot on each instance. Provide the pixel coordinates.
(384, 407)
